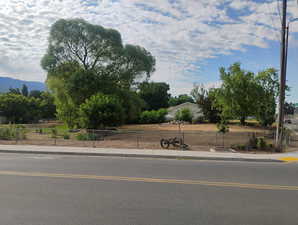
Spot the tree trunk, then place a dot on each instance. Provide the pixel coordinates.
(242, 120)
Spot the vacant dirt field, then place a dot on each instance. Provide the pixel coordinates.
(198, 137)
(190, 127)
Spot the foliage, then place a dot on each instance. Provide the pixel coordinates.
(154, 94)
(206, 99)
(19, 109)
(35, 93)
(86, 137)
(238, 94)
(289, 108)
(47, 106)
(184, 115)
(101, 111)
(267, 91)
(66, 136)
(223, 127)
(261, 143)
(180, 100)
(83, 60)
(12, 133)
(54, 133)
(132, 105)
(153, 116)
(68, 112)
(25, 91)
(16, 91)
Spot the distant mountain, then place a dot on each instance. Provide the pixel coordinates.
(7, 82)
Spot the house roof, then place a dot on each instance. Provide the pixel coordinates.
(194, 109)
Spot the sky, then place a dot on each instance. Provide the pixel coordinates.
(190, 39)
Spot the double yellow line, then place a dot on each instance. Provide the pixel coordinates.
(151, 180)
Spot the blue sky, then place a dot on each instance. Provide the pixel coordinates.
(190, 39)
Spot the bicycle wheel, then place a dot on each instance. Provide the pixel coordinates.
(164, 143)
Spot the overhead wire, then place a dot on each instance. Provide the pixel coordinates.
(271, 13)
(279, 10)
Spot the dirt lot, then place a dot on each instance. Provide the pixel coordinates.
(198, 137)
(190, 127)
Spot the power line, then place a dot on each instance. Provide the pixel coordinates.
(279, 10)
(272, 22)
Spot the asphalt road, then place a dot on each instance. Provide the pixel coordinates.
(70, 190)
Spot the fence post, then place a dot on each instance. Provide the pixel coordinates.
(94, 138)
(17, 135)
(182, 142)
(216, 139)
(223, 140)
(138, 141)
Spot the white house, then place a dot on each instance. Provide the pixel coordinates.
(193, 108)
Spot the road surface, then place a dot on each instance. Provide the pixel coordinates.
(79, 190)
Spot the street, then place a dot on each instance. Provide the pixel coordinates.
(81, 190)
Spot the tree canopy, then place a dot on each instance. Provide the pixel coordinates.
(83, 60)
(238, 94)
(180, 100)
(155, 94)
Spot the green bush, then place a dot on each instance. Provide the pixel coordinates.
(154, 116)
(184, 115)
(86, 137)
(261, 144)
(54, 133)
(12, 133)
(101, 111)
(66, 136)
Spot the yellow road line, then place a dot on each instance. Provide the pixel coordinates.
(152, 180)
(289, 159)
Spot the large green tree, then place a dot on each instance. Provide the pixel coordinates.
(154, 94)
(267, 93)
(206, 99)
(84, 59)
(238, 94)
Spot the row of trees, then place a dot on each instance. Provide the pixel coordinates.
(96, 81)
(242, 94)
(22, 106)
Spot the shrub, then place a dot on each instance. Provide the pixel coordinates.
(66, 136)
(54, 133)
(100, 111)
(199, 119)
(86, 137)
(154, 116)
(222, 126)
(12, 133)
(184, 115)
(261, 144)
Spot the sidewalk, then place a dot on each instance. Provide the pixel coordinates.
(165, 154)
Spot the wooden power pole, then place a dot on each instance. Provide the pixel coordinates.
(280, 122)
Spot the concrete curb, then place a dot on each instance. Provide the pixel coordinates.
(136, 155)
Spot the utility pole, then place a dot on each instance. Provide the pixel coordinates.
(280, 122)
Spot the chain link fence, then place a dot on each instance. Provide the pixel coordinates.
(196, 140)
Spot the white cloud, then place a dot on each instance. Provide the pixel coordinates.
(180, 35)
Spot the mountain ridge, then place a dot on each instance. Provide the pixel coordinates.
(8, 82)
